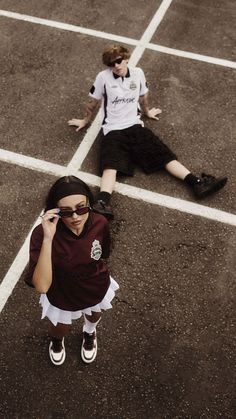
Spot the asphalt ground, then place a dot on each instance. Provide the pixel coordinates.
(167, 348)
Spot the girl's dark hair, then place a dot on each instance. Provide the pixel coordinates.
(64, 186)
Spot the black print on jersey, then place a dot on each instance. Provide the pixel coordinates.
(92, 90)
(118, 101)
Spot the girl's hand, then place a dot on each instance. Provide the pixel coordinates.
(49, 223)
(80, 123)
(152, 113)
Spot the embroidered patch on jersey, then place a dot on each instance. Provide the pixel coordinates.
(133, 85)
(96, 251)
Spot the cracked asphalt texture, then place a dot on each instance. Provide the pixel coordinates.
(167, 348)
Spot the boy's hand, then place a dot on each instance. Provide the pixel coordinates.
(153, 112)
(79, 123)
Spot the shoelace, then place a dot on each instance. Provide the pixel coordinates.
(207, 178)
(56, 345)
(89, 341)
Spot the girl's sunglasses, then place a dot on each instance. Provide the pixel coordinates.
(117, 61)
(69, 213)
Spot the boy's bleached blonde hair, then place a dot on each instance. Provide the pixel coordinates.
(114, 51)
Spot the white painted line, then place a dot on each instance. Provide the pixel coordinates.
(124, 189)
(155, 22)
(166, 201)
(176, 204)
(121, 39)
(148, 34)
(11, 278)
(32, 163)
(67, 27)
(192, 56)
(86, 143)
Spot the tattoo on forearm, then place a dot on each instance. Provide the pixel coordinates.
(90, 106)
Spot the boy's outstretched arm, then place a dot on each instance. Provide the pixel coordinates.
(90, 107)
(150, 113)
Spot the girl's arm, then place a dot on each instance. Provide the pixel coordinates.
(42, 276)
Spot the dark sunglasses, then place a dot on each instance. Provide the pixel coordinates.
(69, 213)
(117, 61)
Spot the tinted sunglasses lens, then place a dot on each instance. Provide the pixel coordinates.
(82, 210)
(69, 213)
(117, 61)
(66, 214)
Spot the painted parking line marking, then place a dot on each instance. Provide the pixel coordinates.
(11, 278)
(121, 39)
(124, 189)
(67, 27)
(142, 44)
(86, 143)
(177, 204)
(193, 56)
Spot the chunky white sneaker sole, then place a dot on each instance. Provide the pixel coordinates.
(89, 356)
(57, 358)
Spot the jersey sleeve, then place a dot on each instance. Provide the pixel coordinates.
(97, 90)
(143, 83)
(34, 251)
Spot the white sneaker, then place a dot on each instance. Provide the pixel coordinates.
(57, 351)
(89, 347)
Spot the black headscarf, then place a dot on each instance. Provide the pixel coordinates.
(65, 186)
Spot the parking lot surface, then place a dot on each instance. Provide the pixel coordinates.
(166, 349)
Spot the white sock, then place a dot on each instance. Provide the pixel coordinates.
(88, 326)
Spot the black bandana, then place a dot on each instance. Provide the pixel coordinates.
(71, 188)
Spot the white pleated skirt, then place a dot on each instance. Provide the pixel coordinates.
(56, 315)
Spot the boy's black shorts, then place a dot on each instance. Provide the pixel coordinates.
(124, 149)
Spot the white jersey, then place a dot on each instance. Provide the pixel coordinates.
(120, 96)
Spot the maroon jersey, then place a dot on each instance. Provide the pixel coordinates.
(80, 275)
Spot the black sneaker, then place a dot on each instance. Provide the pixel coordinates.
(89, 347)
(57, 351)
(208, 184)
(101, 208)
